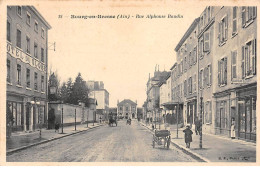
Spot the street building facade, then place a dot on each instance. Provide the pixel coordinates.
(153, 94)
(235, 87)
(127, 109)
(27, 68)
(219, 43)
(101, 95)
(165, 97)
(184, 77)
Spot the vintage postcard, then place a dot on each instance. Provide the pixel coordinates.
(129, 82)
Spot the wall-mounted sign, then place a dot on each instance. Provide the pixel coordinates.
(18, 54)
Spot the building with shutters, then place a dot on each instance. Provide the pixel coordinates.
(184, 77)
(235, 86)
(214, 78)
(27, 65)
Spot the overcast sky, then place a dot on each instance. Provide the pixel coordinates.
(119, 52)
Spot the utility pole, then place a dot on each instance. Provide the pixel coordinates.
(75, 120)
(201, 100)
(62, 120)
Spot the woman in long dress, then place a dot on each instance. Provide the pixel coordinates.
(233, 132)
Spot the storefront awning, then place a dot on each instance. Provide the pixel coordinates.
(171, 105)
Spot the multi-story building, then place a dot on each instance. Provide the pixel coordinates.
(184, 76)
(206, 53)
(234, 89)
(224, 45)
(165, 95)
(27, 65)
(101, 95)
(102, 100)
(127, 109)
(153, 93)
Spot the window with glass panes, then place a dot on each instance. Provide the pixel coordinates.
(35, 81)
(28, 78)
(19, 74)
(8, 32)
(18, 38)
(8, 78)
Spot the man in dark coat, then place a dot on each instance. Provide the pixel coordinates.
(188, 136)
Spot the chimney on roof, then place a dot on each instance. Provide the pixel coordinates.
(158, 68)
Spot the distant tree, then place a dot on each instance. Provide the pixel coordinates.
(69, 86)
(79, 91)
(64, 93)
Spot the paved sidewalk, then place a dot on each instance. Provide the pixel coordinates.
(215, 148)
(23, 140)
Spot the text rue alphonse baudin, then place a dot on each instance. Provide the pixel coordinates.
(123, 16)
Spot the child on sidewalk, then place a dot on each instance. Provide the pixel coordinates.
(188, 136)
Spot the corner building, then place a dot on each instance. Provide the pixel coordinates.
(27, 65)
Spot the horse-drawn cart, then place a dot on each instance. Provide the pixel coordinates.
(112, 119)
(162, 137)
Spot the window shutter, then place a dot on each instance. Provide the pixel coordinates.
(243, 16)
(191, 84)
(226, 27)
(195, 55)
(243, 62)
(225, 70)
(206, 41)
(210, 75)
(219, 32)
(254, 12)
(219, 75)
(254, 56)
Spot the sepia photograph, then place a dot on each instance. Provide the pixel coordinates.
(129, 82)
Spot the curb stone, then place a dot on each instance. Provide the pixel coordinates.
(46, 141)
(185, 150)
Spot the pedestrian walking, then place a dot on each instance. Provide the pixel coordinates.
(57, 127)
(188, 136)
(197, 125)
(232, 130)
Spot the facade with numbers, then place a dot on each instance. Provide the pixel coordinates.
(235, 87)
(27, 59)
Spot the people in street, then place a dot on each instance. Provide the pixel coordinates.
(57, 127)
(232, 130)
(188, 136)
(197, 125)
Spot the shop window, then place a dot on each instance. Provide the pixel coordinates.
(18, 38)
(222, 72)
(222, 115)
(249, 59)
(19, 74)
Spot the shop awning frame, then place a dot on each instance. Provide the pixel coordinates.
(171, 105)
